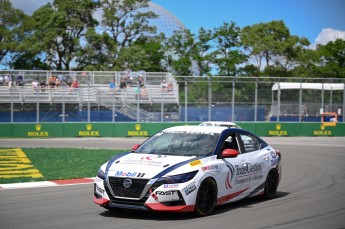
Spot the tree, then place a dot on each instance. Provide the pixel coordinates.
(122, 23)
(144, 54)
(11, 28)
(27, 60)
(59, 28)
(227, 54)
(201, 54)
(181, 47)
(272, 44)
(332, 59)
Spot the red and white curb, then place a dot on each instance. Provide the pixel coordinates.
(47, 183)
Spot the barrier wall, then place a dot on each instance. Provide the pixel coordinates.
(51, 130)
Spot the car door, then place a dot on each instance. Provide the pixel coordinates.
(257, 161)
(235, 183)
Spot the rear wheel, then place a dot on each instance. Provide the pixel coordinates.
(271, 184)
(206, 198)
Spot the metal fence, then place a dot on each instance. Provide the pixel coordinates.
(217, 98)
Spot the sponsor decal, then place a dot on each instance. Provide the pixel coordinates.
(100, 190)
(38, 132)
(189, 132)
(189, 188)
(248, 173)
(273, 154)
(149, 158)
(195, 163)
(88, 132)
(212, 168)
(138, 132)
(165, 193)
(14, 164)
(128, 174)
(170, 186)
(275, 160)
(229, 176)
(97, 179)
(143, 162)
(278, 131)
(322, 131)
(248, 169)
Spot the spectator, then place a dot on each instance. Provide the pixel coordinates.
(170, 87)
(11, 84)
(43, 86)
(128, 78)
(1, 80)
(68, 84)
(57, 82)
(140, 81)
(35, 85)
(144, 93)
(112, 86)
(123, 84)
(51, 82)
(74, 85)
(164, 86)
(7, 79)
(19, 80)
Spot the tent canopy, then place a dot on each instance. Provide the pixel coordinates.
(312, 86)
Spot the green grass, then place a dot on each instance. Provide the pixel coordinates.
(60, 163)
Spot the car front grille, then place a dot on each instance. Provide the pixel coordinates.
(134, 191)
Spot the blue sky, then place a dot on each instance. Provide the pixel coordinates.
(305, 18)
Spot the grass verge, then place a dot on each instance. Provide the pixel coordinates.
(60, 163)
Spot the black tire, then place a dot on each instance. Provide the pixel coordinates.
(271, 184)
(206, 198)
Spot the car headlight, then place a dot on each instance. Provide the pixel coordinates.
(181, 178)
(101, 174)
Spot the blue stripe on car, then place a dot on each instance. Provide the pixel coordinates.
(159, 175)
(113, 159)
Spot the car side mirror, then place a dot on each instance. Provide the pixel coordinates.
(135, 147)
(230, 153)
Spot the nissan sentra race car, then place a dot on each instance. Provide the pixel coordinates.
(189, 169)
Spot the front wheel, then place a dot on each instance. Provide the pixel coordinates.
(206, 198)
(271, 184)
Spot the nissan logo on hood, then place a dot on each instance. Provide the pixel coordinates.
(127, 183)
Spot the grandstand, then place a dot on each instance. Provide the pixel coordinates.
(93, 92)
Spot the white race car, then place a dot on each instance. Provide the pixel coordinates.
(189, 169)
(220, 123)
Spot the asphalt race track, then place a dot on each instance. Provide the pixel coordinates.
(311, 195)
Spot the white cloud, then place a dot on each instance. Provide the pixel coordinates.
(328, 35)
(29, 6)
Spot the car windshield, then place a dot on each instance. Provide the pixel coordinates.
(180, 144)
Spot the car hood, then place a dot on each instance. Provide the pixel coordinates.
(137, 165)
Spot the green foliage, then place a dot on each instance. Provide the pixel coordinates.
(332, 59)
(11, 28)
(28, 60)
(227, 54)
(122, 25)
(272, 45)
(59, 27)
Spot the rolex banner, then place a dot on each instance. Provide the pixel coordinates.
(263, 129)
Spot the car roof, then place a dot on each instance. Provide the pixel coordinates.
(196, 129)
(219, 123)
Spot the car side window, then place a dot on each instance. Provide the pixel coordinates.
(230, 143)
(250, 143)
